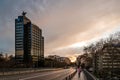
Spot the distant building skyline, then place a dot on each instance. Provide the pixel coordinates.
(59, 58)
(29, 42)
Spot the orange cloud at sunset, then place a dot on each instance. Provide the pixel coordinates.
(72, 23)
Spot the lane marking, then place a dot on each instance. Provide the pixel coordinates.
(41, 75)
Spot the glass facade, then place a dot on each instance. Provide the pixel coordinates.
(29, 42)
(19, 38)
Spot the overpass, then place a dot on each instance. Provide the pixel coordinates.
(60, 74)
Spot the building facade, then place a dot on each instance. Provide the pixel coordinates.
(29, 42)
(108, 59)
(60, 59)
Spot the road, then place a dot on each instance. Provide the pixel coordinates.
(48, 75)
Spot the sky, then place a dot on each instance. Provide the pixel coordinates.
(67, 25)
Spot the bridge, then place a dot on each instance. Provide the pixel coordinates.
(48, 74)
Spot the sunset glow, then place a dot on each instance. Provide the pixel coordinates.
(72, 58)
(67, 25)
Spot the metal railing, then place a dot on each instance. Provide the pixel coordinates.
(92, 76)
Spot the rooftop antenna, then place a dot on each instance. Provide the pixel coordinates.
(24, 13)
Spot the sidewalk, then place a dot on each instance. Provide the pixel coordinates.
(82, 76)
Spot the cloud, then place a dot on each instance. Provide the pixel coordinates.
(64, 22)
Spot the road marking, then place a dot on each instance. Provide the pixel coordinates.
(39, 75)
(36, 76)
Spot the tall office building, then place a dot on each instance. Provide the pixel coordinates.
(29, 42)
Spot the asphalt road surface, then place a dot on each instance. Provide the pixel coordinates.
(48, 75)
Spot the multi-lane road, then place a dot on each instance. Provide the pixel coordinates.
(47, 75)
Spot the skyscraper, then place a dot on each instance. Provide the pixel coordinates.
(29, 42)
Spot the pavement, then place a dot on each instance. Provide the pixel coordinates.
(84, 75)
(48, 75)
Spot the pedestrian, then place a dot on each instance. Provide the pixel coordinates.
(79, 71)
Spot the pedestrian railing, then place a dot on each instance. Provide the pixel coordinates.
(93, 77)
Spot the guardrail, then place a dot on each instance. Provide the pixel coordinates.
(3, 73)
(70, 76)
(93, 77)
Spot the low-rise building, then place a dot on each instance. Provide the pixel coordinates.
(60, 59)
